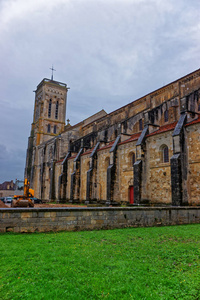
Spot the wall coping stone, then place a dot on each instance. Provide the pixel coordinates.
(43, 209)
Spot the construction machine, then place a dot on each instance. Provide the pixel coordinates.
(24, 200)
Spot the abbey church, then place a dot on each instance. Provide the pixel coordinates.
(146, 152)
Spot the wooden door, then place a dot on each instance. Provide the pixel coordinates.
(131, 194)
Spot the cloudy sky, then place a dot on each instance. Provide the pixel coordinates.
(109, 52)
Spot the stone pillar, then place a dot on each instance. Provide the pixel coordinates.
(110, 175)
(75, 177)
(72, 188)
(178, 160)
(111, 172)
(93, 165)
(89, 184)
(63, 178)
(52, 182)
(137, 169)
(176, 179)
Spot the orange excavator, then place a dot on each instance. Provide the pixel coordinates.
(25, 199)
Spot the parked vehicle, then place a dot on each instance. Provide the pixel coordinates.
(8, 200)
(36, 200)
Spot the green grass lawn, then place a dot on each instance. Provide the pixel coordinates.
(134, 263)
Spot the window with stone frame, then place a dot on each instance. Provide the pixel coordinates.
(54, 129)
(48, 128)
(56, 111)
(166, 116)
(107, 162)
(49, 110)
(88, 165)
(132, 158)
(164, 153)
(140, 125)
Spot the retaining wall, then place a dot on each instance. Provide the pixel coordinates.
(71, 219)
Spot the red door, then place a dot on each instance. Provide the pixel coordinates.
(131, 194)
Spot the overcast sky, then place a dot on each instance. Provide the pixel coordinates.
(109, 52)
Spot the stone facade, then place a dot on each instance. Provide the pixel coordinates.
(144, 152)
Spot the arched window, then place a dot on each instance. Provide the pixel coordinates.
(132, 158)
(56, 111)
(54, 129)
(199, 107)
(107, 162)
(49, 110)
(165, 154)
(48, 128)
(166, 116)
(140, 124)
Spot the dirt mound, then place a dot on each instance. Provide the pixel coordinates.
(2, 205)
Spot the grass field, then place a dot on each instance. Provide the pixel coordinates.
(134, 263)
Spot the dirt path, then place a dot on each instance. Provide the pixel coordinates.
(58, 205)
(3, 205)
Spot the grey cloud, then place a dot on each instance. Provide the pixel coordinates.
(108, 52)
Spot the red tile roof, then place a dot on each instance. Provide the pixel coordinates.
(107, 146)
(164, 128)
(87, 152)
(74, 156)
(58, 161)
(134, 137)
(194, 122)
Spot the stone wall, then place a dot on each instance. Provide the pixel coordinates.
(92, 218)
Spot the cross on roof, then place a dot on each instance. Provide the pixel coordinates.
(52, 72)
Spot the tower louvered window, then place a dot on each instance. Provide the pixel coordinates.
(48, 128)
(49, 111)
(54, 129)
(56, 112)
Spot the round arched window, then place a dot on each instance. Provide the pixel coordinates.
(165, 153)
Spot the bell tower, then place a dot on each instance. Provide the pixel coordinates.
(48, 119)
(49, 110)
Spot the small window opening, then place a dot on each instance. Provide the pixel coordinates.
(48, 128)
(49, 110)
(133, 158)
(156, 115)
(166, 116)
(56, 112)
(54, 129)
(165, 154)
(140, 124)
